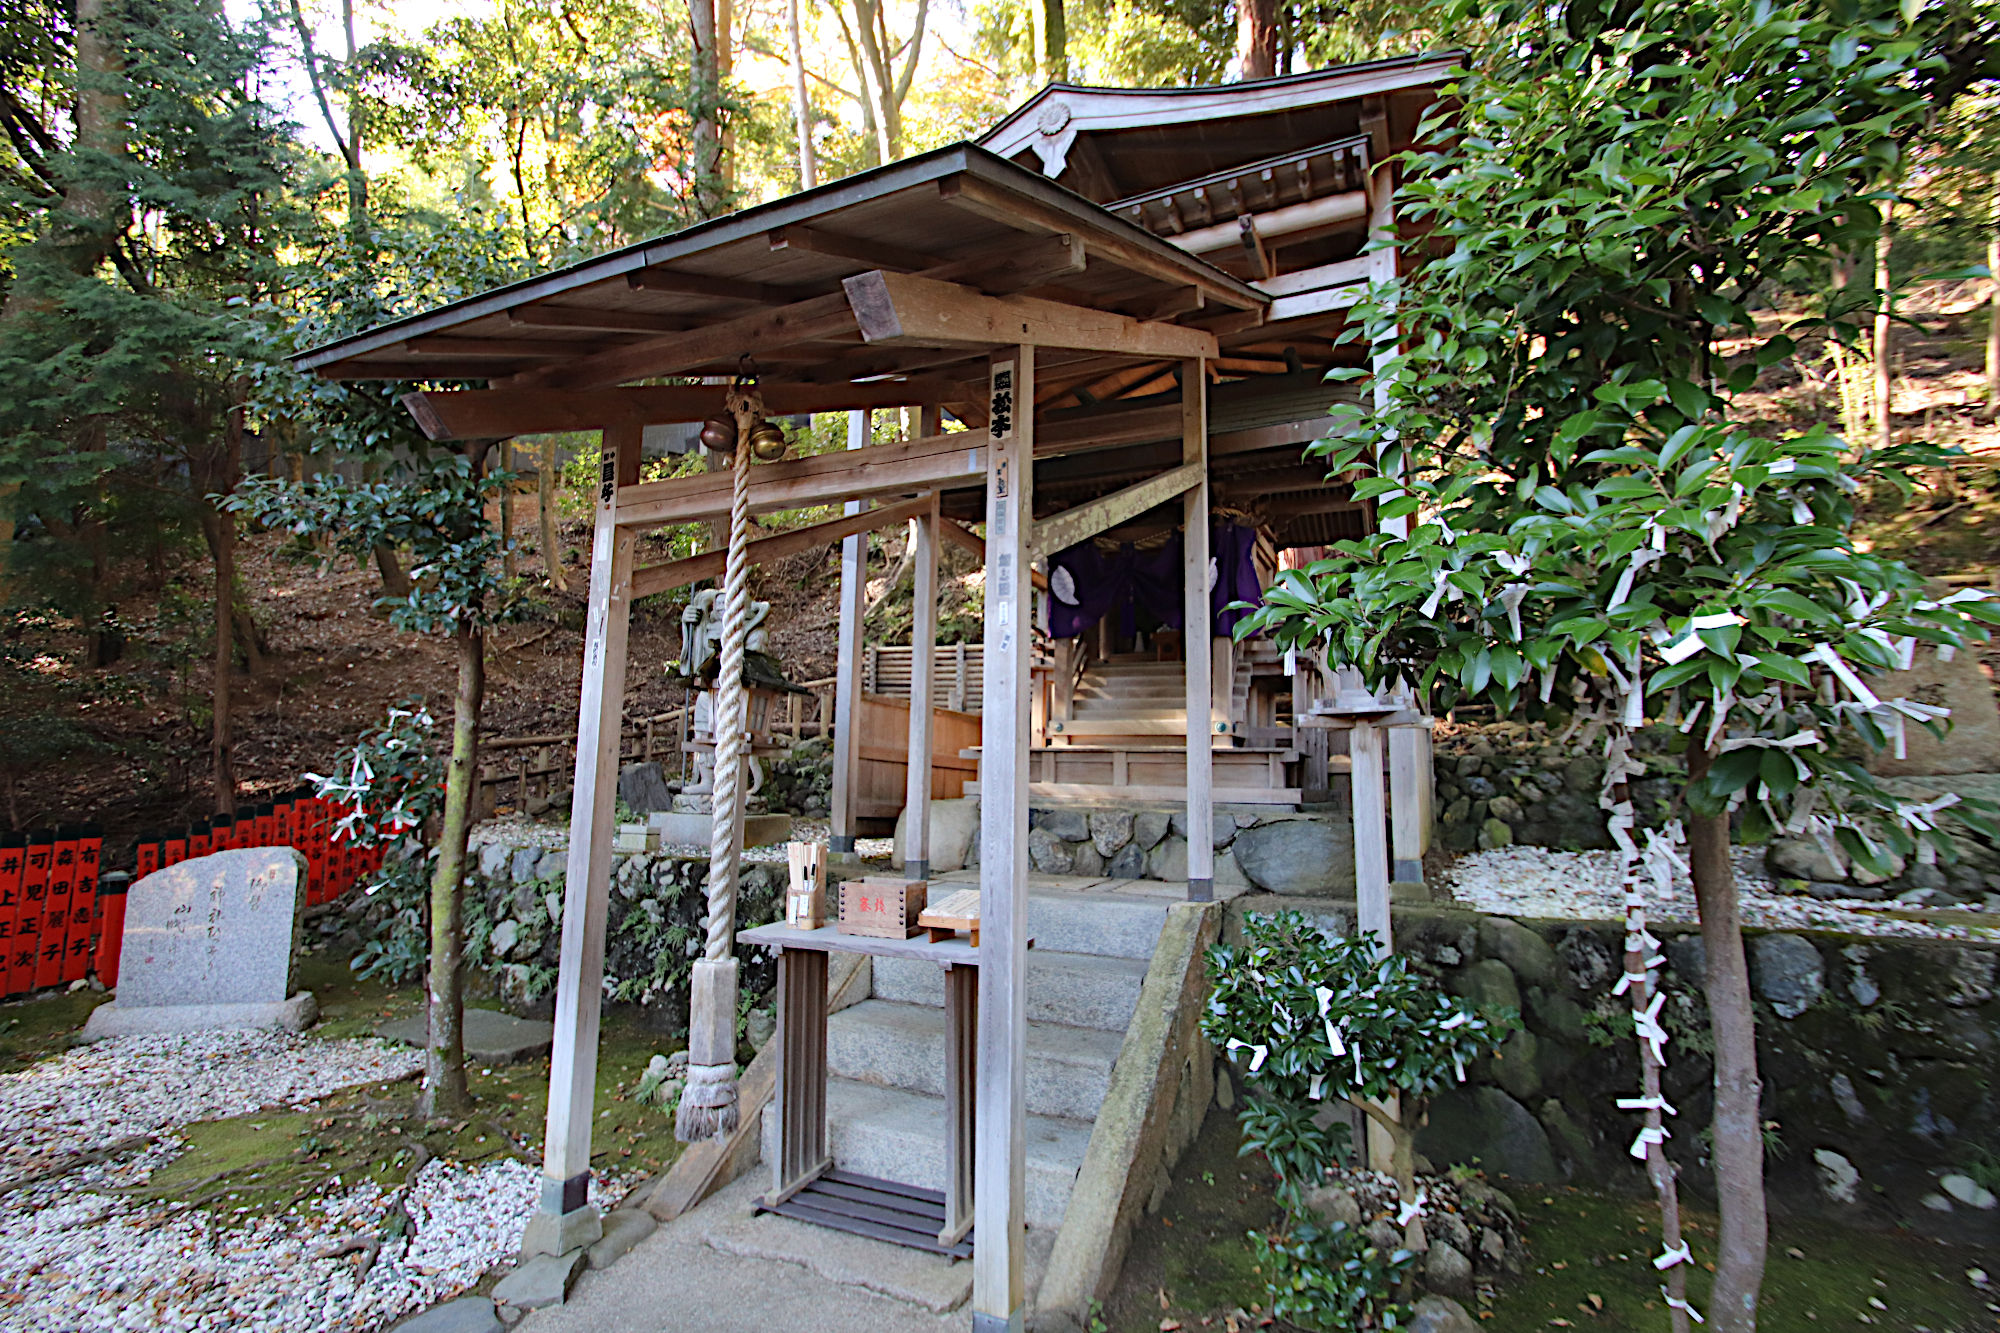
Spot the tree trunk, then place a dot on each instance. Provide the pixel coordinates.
(509, 566)
(1256, 39)
(1885, 305)
(445, 1093)
(222, 525)
(545, 502)
(801, 102)
(395, 580)
(1738, 1129)
(1052, 40)
(708, 195)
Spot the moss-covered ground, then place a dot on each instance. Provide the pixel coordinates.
(265, 1161)
(1191, 1267)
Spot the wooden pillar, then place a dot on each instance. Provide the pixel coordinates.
(1409, 794)
(1000, 1165)
(1371, 842)
(801, 1083)
(847, 671)
(923, 654)
(1382, 268)
(565, 1219)
(1195, 637)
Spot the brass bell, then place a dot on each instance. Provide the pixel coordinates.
(767, 441)
(718, 434)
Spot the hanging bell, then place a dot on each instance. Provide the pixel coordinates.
(767, 441)
(718, 434)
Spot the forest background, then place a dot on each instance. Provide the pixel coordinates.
(192, 190)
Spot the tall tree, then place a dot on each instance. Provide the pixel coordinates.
(1256, 38)
(1603, 532)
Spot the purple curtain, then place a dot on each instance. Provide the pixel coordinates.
(1144, 587)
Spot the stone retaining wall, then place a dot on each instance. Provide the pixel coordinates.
(1880, 1062)
(1262, 848)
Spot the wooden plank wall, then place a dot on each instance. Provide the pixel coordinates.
(884, 732)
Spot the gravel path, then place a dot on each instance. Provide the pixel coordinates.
(78, 1254)
(1583, 886)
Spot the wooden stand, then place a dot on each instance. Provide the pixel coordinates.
(804, 1183)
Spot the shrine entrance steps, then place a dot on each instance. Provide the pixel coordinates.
(1093, 943)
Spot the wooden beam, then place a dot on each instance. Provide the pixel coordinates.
(1000, 1165)
(747, 335)
(813, 241)
(709, 564)
(899, 307)
(540, 349)
(963, 537)
(882, 469)
(1254, 252)
(658, 279)
(485, 414)
(1015, 210)
(611, 321)
(1060, 531)
(496, 368)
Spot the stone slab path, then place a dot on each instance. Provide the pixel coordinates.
(720, 1268)
(491, 1037)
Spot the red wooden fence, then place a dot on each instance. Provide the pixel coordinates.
(55, 925)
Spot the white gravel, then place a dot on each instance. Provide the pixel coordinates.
(1583, 886)
(77, 1253)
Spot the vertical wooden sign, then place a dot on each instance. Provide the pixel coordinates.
(13, 859)
(35, 869)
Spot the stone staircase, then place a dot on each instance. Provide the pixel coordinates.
(886, 1058)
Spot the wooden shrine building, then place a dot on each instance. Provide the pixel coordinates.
(1111, 322)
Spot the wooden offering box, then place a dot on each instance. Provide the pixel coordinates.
(951, 914)
(882, 908)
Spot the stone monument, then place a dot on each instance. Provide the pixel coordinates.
(209, 944)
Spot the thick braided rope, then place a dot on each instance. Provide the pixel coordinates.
(724, 855)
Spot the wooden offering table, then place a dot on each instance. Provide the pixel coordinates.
(804, 1182)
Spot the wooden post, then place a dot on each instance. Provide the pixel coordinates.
(1371, 843)
(847, 671)
(1195, 636)
(1409, 795)
(566, 1220)
(801, 1086)
(1382, 268)
(961, 1076)
(1000, 1169)
(923, 652)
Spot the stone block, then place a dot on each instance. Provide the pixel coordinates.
(1222, 828)
(1446, 1271)
(1298, 856)
(210, 943)
(644, 788)
(1068, 825)
(1494, 833)
(1516, 1066)
(954, 832)
(1048, 853)
(1168, 860)
(623, 1229)
(541, 1281)
(1110, 830)
(1488, 984)
(1787, 973)
(552, 865)
(1534, 963)
(1441, 1314)
(1802, 858)
(524, 864)
(467, 1314)
(1487, 1125)
(493, 859)
(1085, 859)
(1148, 827)
(1130, 863)
(552, 1235)
(1972, 745)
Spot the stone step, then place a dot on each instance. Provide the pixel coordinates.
(895, 1134)
(1109, 924)
(1081, 990)
(902, 1046)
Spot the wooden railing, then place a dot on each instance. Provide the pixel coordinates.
(526, 772)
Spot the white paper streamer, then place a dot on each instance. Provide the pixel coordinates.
(1677, 1303)
(1672, 1255)
(1647, 1138)
(1257, 1052)
(1408, 1212)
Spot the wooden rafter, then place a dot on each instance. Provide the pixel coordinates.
(709, 564)
(613, 321)
(901, 307)
(747, 335)
(485, 414)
